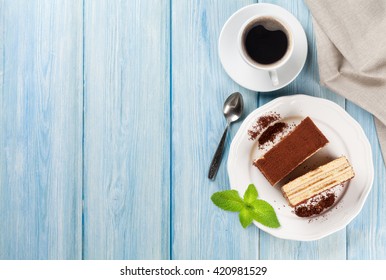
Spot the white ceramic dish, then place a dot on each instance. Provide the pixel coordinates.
(346, 137)
(244, 74)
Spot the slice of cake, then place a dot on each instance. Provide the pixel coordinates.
(305, 140)
(319, 180)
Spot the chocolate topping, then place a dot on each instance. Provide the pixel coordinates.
(305, 140)
(315, 206)
(262, 123)
(270, 133)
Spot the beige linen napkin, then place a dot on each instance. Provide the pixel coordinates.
(351, 45)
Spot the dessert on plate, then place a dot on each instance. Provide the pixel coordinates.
(300, 144)
(321, 179)
(312, 192)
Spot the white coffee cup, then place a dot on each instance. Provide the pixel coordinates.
(270, 23)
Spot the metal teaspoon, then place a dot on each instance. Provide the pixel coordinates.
(233, 109)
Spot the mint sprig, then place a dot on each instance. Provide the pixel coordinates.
(250, 208)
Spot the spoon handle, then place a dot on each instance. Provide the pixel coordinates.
(218, 155)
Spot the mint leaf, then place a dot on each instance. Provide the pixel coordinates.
(264, 213)
(250, 194)
(245, 217)
(229, 200)
(250, 208)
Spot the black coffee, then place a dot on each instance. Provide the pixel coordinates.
(265, 46)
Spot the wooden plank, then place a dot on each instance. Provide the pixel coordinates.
(127, 124)
(200, 86)
(366, 235)
(41, 130)
(306, 83)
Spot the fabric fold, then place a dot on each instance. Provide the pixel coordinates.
(351, 49)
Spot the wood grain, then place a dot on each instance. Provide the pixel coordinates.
(126, 126)
(305, 83)
(200, 86)
(119, 104)
(41, 130)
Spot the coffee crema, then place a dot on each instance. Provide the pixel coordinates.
(265, 46)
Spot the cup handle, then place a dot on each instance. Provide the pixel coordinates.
(274, 77)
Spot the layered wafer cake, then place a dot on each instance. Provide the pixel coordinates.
(301, 143)
(317, 181)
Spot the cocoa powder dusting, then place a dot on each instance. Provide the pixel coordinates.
(262, 123)
(270, 133)
(315, 206)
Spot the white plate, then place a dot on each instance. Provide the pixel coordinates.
(346, 137)
(247, 76)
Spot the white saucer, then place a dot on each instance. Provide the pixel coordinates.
(345, 136)
(244, 74)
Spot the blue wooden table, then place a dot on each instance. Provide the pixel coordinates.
(110, 112)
